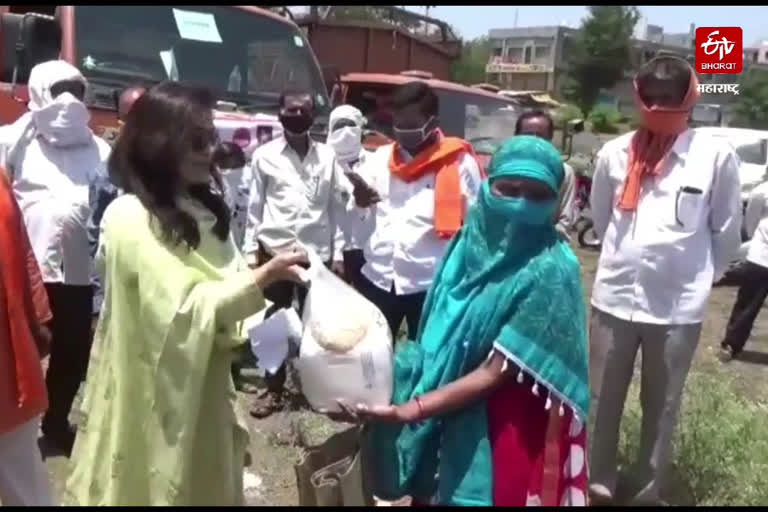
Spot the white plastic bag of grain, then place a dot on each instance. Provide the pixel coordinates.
(346, 346)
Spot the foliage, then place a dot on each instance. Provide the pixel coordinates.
(470, 67)
(751, 108)
(371, 13)
(601, 53)
(605, 119)
(566, 113)
(721, 447)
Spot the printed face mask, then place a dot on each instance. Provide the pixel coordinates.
(346, 142)
(413, 139)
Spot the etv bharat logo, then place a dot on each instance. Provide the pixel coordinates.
(724, 46)
(719, 50)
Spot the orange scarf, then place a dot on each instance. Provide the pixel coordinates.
(653, 141)
(441, 159)
(17, 296)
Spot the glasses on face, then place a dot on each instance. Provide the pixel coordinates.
(404, 128)
(74, 87)
(203, 139)
(343, 123)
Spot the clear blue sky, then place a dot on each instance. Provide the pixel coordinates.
(474, 21)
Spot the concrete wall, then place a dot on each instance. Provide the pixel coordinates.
(526, 81)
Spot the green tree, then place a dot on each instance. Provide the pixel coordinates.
(372, 13)
(751, 108)
(601, 53)
(470, 67)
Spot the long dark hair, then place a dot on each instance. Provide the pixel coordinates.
(164, 124)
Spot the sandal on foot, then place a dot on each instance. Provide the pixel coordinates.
(266, 404)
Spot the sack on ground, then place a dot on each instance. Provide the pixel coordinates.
(335, 473)
(346, 346)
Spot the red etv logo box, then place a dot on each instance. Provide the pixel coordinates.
(719, 50)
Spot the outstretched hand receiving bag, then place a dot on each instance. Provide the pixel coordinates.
(346, 346)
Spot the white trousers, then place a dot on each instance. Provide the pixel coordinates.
(23, 476)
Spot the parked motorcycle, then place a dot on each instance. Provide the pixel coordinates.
(584, 225)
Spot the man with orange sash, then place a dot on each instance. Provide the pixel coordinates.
(666, 203)
(24, 338)
(424, 184)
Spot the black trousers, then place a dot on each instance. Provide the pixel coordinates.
(395, 307)
(281, 294)
(736, 275)
(752, 293)
(70, 350)
(353, 264)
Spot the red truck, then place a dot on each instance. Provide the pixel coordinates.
(246, 55)
(471, 113)
(381, 45)
(371, 58)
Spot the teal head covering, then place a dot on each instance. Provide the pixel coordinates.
(508, 283)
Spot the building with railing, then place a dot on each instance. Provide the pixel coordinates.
(538, 59)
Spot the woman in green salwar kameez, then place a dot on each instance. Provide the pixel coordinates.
(160, 426)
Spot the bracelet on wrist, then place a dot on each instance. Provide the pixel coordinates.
(420, 417)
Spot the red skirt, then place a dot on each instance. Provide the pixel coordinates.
(539, 456)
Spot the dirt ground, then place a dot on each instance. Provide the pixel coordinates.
(277, 442)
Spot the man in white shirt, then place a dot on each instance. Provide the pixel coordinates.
(53, 158)
(345, 136)
(666, 204)
(101, 193)
(230, 160)
(752, 275)
(425, 183)
(539, 124)
(296, 196)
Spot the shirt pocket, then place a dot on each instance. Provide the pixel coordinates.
(689, 205)
(317, 191)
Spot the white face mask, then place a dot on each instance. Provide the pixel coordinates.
(346, 142)
(64, 122)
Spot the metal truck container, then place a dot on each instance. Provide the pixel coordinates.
(380, 47)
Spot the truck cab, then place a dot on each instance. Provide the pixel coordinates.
(246, 55)
(475, 114)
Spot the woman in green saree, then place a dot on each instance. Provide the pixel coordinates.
(489, 405)
(160, 426)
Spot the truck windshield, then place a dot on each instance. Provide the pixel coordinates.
(244, 57)
(469, 116)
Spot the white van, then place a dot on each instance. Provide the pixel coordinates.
(752, 148)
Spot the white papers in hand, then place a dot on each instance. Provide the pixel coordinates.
(270, 339)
